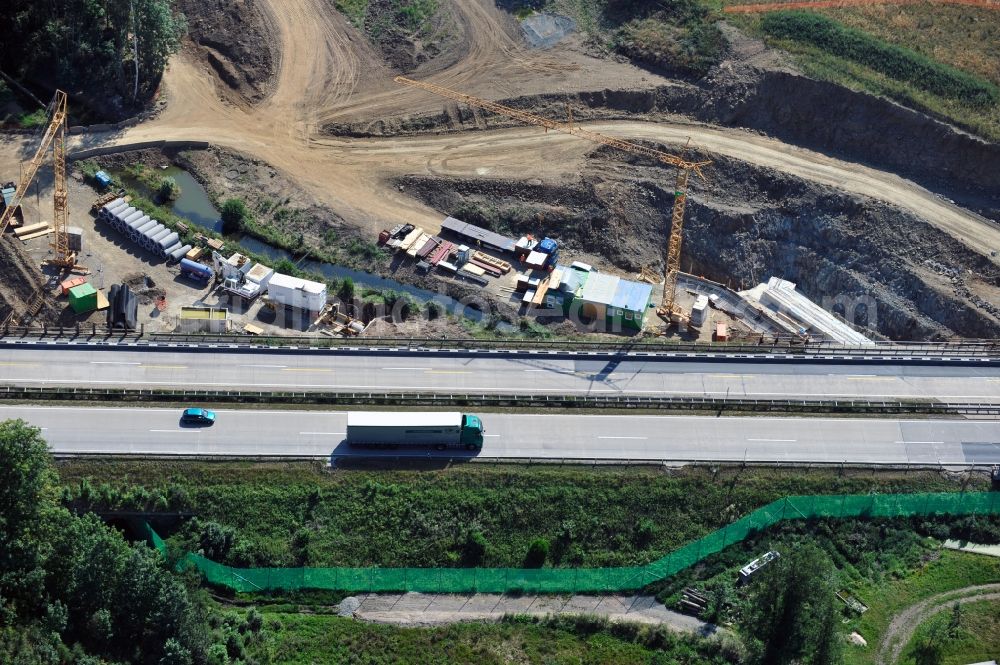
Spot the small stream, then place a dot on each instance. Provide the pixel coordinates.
(195, 205)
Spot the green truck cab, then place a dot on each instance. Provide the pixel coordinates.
(472, 432)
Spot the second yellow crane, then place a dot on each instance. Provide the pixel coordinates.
(668, 306)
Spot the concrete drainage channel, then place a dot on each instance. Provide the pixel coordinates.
(498, 400)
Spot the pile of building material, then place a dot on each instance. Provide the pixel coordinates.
(123, 311)
(33, 231)
(478, 237)
(692, 601)
(141, 229)
(800, 315)
(333, 323)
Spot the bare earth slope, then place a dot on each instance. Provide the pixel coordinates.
(328, 72)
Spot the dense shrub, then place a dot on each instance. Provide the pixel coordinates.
(899, 63)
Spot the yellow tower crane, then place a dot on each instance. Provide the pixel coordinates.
(55, 138)
(667, 308)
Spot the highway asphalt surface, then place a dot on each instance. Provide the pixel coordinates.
(136, 431)
(385, 372)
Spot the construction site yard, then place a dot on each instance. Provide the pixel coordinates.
(326, 151)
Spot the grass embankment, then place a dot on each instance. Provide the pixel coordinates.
(889, 597)
(315, 638)
(940, 60)
(299, 514)
(970, 636)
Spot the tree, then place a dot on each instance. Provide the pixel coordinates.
(474, 549)
(169, 190)
(115, 49)
(27, 497)
(234, 216)
(346, 291)
(175, 653)
(792, 616)
(538, 551)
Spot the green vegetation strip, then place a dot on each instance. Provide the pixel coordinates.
(587, 580)
(898, 63)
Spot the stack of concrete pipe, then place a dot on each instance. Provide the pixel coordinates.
(143, 230)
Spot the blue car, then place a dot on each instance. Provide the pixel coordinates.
(196, 416)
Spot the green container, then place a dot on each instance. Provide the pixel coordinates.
(83, 298)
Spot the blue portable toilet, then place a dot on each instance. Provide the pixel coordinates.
(547, 246)
(103, 179)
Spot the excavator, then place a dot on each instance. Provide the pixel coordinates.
(668, 309)
(54, 138)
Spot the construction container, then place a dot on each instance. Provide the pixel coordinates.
(698, 311)
(721, 332)
(83, 298)
(204, 320)
(296, 292)
(195, 270)
(260, 274)
(70, 283)
(74, 235)
(537, 260)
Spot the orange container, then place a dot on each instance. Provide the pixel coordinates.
(70, 283)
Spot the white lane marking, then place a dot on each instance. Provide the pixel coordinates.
(536, 370)
(495, 436)
(175, 431)
(775, 440)
(325, 433)
(624, 437)
(267, 366)
(407, 369)
(111, 362)
(939, 442)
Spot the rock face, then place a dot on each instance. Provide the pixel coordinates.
(857, 126)
(860, 257)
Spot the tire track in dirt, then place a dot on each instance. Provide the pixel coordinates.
(904, 624)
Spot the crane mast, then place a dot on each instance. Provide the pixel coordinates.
(54, 138)
(684, 167)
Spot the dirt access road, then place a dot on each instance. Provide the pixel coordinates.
(906, 622)
(329, 71)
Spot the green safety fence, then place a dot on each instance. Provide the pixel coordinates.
(587, 580)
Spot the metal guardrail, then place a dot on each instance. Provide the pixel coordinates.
(779, 348)
(500, 400)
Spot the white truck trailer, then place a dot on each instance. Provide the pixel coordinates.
(420, 428)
